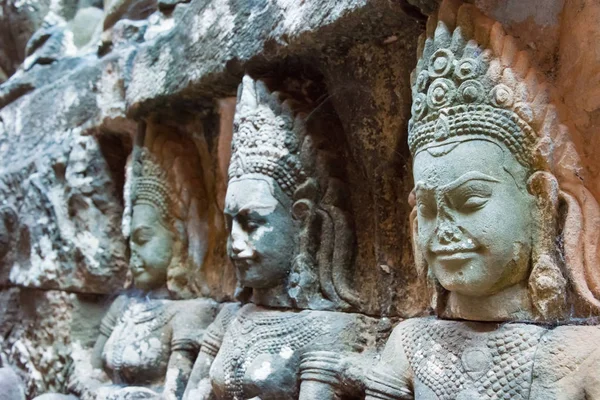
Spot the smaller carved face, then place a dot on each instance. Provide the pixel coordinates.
(475, 216)
(151, 246)
(262, 232)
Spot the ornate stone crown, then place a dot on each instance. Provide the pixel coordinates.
(461, 90)
(265, 140)
(151, 185)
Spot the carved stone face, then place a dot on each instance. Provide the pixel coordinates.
(474, 216)
(262, 232)
(151, 246)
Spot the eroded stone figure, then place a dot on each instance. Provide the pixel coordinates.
(290, 242)
(502, 226)
(9, 234)
(149, 339)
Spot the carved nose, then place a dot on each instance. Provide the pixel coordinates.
(447, 232)
(238, 245)
(135, 261)
(239, 242)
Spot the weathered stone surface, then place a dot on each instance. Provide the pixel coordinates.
(11, 386)
(150, 336)
(578, 67)
(291, 242)
(19, 20)
(359, 32)
(358, 21)
(69, 116)
(536, 25)
(54, 396)
(211, 41)
(374, 111)
(17, 23)
(64, 185)
(49, 44)
(38, 330)
(85, 25)
(432, 358)
(492, 166)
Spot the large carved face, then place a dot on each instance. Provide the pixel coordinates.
(474, 216)
(151, 246)
(262, 232)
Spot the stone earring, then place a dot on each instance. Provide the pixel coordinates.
(547, 284)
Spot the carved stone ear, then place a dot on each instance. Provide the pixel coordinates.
(547, 285)
(414, 232)
(307, 190)
(542, 154)
(10, 218)
(544, 186)
(301, 209)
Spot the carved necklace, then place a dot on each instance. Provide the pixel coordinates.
(149, 314)
(256, 332)
(450, 360)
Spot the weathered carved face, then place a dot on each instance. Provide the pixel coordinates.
(151, 246)
(474, 216)
(261, 232)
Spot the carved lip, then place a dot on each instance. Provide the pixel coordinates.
(460, 255)
(242, 262)
(456, 260)
(454, 254)
(445, 251)
(137, 270)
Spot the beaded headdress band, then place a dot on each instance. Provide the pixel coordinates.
(151, 185)
(265, 140)
(473, 83)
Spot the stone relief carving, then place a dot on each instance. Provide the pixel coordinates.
(500, 226)
(504, 226)
(71, 193)
(290, 240)
(150, 336)
(9, 233)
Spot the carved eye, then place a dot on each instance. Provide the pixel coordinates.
(470, 197)
(473, 203)
(252, 223)
(142, 235)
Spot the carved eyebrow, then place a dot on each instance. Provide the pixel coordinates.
(469, 176)
(141, 229)
(248, 208)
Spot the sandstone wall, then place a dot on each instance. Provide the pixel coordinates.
(68, 125)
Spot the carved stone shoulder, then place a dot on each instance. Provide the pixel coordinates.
(113, 314)
(342, 332)
(567, 364)
(213, 337)
(392, 377)
(343, 355)
(190, 319)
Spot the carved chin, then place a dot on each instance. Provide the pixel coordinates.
(458, 273)
(258, 276)
(142, 281)
(146, 281)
